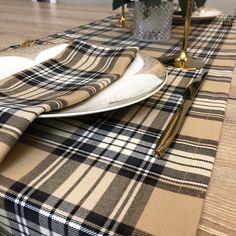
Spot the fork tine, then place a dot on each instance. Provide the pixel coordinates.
(24, 43)
(32, 43)
(27, 43)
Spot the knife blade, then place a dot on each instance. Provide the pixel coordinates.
(176, 121)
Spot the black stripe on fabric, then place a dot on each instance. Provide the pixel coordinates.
(149, 134)
(100, 221)
(220, 118)
(182, 189)
(131, 174)
(33, 216)
(41, 81)
(14, 222)
(6, 115)
(53, 67)
(4, 232)
(132, 161)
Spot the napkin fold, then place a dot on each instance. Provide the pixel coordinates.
(76, 74)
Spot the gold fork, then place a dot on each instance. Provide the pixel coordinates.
(27, 43)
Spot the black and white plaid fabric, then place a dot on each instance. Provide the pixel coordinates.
(79, 72)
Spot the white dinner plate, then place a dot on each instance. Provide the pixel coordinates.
(201, 15)
(143, 78)
(13, 64)
(50, 52)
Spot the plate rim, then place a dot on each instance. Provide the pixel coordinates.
(199, 17)
(130, 102)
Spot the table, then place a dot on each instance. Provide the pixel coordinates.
(226, 224)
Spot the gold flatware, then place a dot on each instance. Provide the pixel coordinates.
(27, 43)
(176, 121)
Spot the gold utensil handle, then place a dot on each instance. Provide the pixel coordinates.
(176, 121)
(170, 132)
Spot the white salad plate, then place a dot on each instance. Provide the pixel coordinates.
(141, 80)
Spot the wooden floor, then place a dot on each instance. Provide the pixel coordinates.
(21, 19)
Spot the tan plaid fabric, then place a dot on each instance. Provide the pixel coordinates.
(79, 72)
(97, 175)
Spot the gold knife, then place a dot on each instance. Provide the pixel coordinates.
(176, 121)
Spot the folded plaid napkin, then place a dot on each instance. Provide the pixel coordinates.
(76, 74)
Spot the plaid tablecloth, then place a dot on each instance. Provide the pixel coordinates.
(97, 175)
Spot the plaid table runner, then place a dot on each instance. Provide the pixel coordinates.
(76, 74)
(96, 174)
